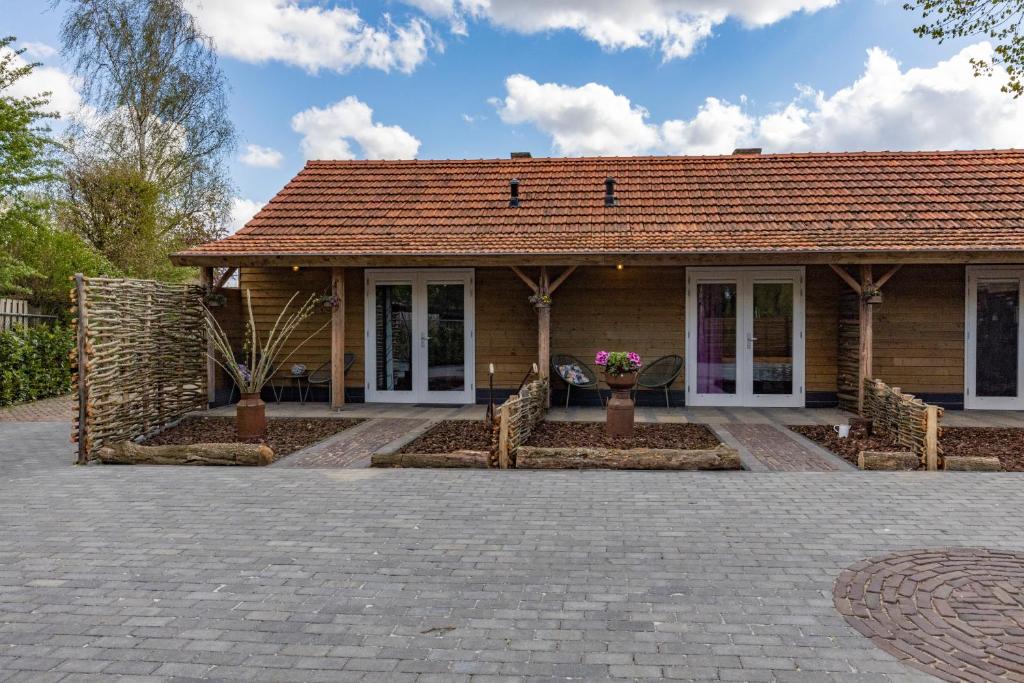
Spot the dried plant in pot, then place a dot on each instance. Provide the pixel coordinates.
(620, 370)
(262, 355)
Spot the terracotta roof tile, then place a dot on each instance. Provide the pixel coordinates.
(914, 201)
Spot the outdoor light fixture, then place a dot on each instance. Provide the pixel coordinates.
(618, 266)
(295, 269)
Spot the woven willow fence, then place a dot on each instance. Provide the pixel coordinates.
(516, 419)
(909, 421)
(141, 359)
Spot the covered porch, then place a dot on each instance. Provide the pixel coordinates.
(910, 320)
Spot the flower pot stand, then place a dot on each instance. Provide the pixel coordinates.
(620, 411)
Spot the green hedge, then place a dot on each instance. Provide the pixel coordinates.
(34, 363)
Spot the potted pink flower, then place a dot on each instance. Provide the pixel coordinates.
(620, 368)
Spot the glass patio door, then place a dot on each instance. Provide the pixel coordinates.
(419, 336)
(744, 332)
(994, 338)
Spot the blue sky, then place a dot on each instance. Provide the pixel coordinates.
(481, 78)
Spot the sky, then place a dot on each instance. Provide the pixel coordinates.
(446, 79)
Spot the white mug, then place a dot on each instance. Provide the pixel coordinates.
(842, 430)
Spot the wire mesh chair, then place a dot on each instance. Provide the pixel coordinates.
(660, 374)
(575, 373)
(321, 377)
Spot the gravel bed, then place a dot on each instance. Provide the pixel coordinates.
(449, 436)
(645, 435)
(1005, 443)
(284, 434)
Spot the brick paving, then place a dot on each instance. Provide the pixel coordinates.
(444, 575)
(47, 410)
(778, 450)
(353, 447)
(956, 613)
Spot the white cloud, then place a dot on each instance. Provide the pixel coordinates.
(39, 50)
(886, 108)
(261, 157)
(327, 133)
(674, 27)
(310, 36)
(63, 87)
(242, 210)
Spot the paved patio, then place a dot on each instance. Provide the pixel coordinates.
(391, 575)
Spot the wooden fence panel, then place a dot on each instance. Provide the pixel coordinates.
(16, 313)
(516, 419)
(912, 423)
(141, 359)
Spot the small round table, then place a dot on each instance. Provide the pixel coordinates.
(301, 383)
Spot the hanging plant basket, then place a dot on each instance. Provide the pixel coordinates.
(873, 297)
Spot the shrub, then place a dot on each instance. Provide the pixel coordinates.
(35, 363)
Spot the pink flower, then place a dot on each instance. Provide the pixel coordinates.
(601, 358)
(634, 358)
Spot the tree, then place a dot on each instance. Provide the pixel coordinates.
(1000, 20)
(35, 258)
(160, 139)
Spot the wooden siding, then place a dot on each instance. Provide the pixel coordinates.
(633, 309)
(271, 288)
(919, 330)
(822, 288)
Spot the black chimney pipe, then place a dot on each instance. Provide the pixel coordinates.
(609, 192)
(513, 193)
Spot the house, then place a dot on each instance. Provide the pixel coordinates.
(782, 279)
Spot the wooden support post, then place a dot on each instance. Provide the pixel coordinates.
(544, 333)
(865, 367)
(228, 272)
(206, 279)
(82, 322)
(504, 417)
(338, 340)
(931, 438)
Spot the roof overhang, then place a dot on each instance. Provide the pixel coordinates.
(789, 257)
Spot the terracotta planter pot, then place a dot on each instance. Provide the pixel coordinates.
(619, 420)
(251, 418)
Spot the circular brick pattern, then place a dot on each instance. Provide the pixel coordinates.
(956, 613)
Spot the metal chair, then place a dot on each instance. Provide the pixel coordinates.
(583, 379)
(660, 374)
(321, 377)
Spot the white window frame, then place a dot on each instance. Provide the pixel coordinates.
(418, 279)
(971, 398)
(744, 277)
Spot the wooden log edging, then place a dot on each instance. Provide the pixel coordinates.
(130, 453)
(722, 457)
(456, 459)
(888, 460)
(972, 463)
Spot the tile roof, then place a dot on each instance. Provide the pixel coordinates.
(863, 201)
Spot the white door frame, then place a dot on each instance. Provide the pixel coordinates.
(418, 279)
(971, 398)
(744, 277)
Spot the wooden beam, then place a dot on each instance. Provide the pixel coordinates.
(338, 340)
(522, 276)
(561, 278)
(885, 278)
(206, 279)
(931, 438)
(847, 278)
(224, 278)
(866, 315)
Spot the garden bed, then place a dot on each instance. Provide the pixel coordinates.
(284, 434)
(645, 435)
(1004, 443)
(449, 436)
